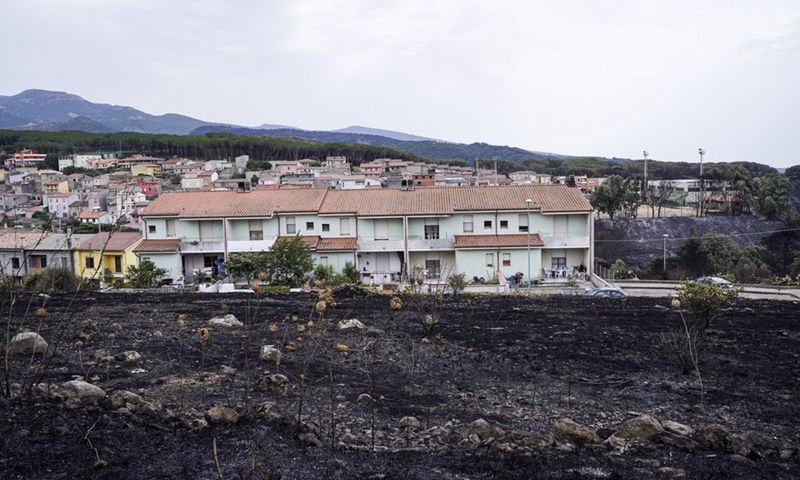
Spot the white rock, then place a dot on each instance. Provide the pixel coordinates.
(270, 353)
(78, 391)
(228, 320)
(28, 342)
(350, 323)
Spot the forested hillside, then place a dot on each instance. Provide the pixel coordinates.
(208, 147)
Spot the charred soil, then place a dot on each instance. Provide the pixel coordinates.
(466, 387)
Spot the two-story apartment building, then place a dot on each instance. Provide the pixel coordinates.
(385, 233)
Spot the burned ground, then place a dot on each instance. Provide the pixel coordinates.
(518, 363)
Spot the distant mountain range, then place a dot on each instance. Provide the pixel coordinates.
(46, 110)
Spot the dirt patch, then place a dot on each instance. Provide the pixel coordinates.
(472, 392)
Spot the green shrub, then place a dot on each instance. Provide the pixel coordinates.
(57, 279)
(351, 273)
(323, 272)
(456, 283)
(705, 300)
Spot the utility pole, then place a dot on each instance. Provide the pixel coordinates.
(644, 195)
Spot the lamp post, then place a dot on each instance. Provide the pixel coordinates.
(528, 208)
(665, 252)
(102, 247)
(702, 195)
(644, 187)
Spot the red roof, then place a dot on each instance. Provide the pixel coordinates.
(155, 246)
(369, 202)
(515, 240)
(117, 242)
(317, 243)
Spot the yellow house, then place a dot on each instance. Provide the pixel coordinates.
(117, 250)
(56, 186)
(148, 169)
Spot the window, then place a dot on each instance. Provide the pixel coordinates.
(43, 262)
(468, 225)
(117, 264)
(256, 230)
(504, 224)
(171, 227)
(15, 262)
(309, 225)
(487, 224)
(323, 261)
(433, 267)
(151, 229)
(344, 226)
(523, 222)
(290, 225)
(89, 262)
(506, 259)
(490, 260)
(326, 227)
(431, 232)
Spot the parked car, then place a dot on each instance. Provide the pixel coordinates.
(720, 282)
(606, 292)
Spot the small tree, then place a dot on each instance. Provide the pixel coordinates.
(146, 275)
(705, 301)
(290, 262)
(246, 264)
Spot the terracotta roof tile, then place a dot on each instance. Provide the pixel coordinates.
(216, 204)
(11, 238)
(339, 243)
(368, 202)
(498, 241)
(309, 240)
(117, 242)
(155, 246)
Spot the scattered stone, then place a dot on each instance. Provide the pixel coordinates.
(643, 426)
(270, 353)
(122, 399)
(87, 331)
(482, 431)
(715, 437)
(228, 320)
(221, 414)
(76, 392)
(275, 383)
(672, 472)
(408, 422)
(678, 441)
(567, 429)
(534, 440)
(128, 359)
(310, 439)
(365, 398)
(678, 428)
(27, 343)
(350, 323)
(754, 445)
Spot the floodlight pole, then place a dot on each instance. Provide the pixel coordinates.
(665, 252)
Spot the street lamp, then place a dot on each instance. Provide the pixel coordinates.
(702, 194)
(528, 208)
(665, 252)
(644, 187)
(102, 247)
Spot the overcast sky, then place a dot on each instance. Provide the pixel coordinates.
(583, 77)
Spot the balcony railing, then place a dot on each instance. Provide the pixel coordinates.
(380, 244)
(565, 240)
(441, 241)
(212, 244)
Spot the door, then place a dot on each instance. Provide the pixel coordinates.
(206, 231)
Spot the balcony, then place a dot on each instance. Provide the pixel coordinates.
(445, 241)
(388, 244)
(199, 245)
(250, 245)
(566, 240)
